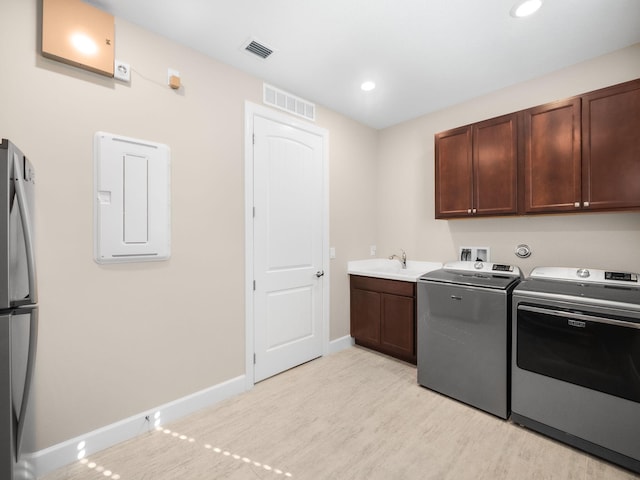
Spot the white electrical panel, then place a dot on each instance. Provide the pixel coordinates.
(132, 199)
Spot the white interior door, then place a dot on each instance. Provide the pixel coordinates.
(288, 245)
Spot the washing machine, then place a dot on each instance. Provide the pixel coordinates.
(464, 333)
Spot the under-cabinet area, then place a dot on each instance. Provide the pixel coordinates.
(573, 155)
(383, 315)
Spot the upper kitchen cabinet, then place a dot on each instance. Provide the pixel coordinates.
(575, 155)
(611, 147)
(552, 170)
(476, 169)
(454, 173)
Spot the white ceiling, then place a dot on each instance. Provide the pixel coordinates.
(424, 55)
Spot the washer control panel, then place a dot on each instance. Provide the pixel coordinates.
(498, 267)
(621, 276)
(586, 275)
(483, 267)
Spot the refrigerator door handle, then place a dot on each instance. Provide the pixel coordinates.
(31, 359)
(26, 228)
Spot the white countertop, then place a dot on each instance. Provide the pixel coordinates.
(391, 269)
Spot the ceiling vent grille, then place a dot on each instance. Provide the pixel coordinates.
(258, 49)
(289, 103)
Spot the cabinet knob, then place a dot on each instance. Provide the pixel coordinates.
(474, 211)
(469, 211)
(577, 204)
(586, 204)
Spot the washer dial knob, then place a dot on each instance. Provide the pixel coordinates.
(583, 273)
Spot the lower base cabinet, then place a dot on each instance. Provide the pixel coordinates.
(383, 316)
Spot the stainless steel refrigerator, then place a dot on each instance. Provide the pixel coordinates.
(18, 304)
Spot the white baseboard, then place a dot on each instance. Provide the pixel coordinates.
(56, 456)
(44, 461)
(341, 343)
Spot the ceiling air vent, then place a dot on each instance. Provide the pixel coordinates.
(289, 103)
(258, 49)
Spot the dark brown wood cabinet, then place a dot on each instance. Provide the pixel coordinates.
(583, 154)
(611, 148)
(574, 155)
(477, 169)
(552, 171)
(383, 316)
(454, 173)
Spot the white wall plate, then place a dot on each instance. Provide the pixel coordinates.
(122, 71)
(132, 200)
(472, 254)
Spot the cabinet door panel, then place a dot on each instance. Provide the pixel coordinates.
(552, 167)
(454, 171)
(398, 325)
(495, 160)
(611, 147)
(365, 316)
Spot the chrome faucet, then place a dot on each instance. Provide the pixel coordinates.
(402, 259)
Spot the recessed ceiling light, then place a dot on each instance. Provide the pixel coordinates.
(368, 86)
(525, 8)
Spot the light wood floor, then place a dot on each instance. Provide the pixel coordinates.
(351, 415)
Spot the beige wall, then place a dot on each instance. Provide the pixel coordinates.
(406, 185)
(353, 207)
(117, 340)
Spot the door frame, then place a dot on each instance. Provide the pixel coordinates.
(251, 110)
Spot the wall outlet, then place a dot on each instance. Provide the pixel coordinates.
(372, 250)
(121, 71)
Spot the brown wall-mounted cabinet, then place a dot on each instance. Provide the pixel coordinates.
(552, 172)
(611, 148)
(383, 316)
(579, 154)
(454, 173)
(476, 169)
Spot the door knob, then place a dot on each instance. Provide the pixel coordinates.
(320, 273)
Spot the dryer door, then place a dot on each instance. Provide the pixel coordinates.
(600, 352)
